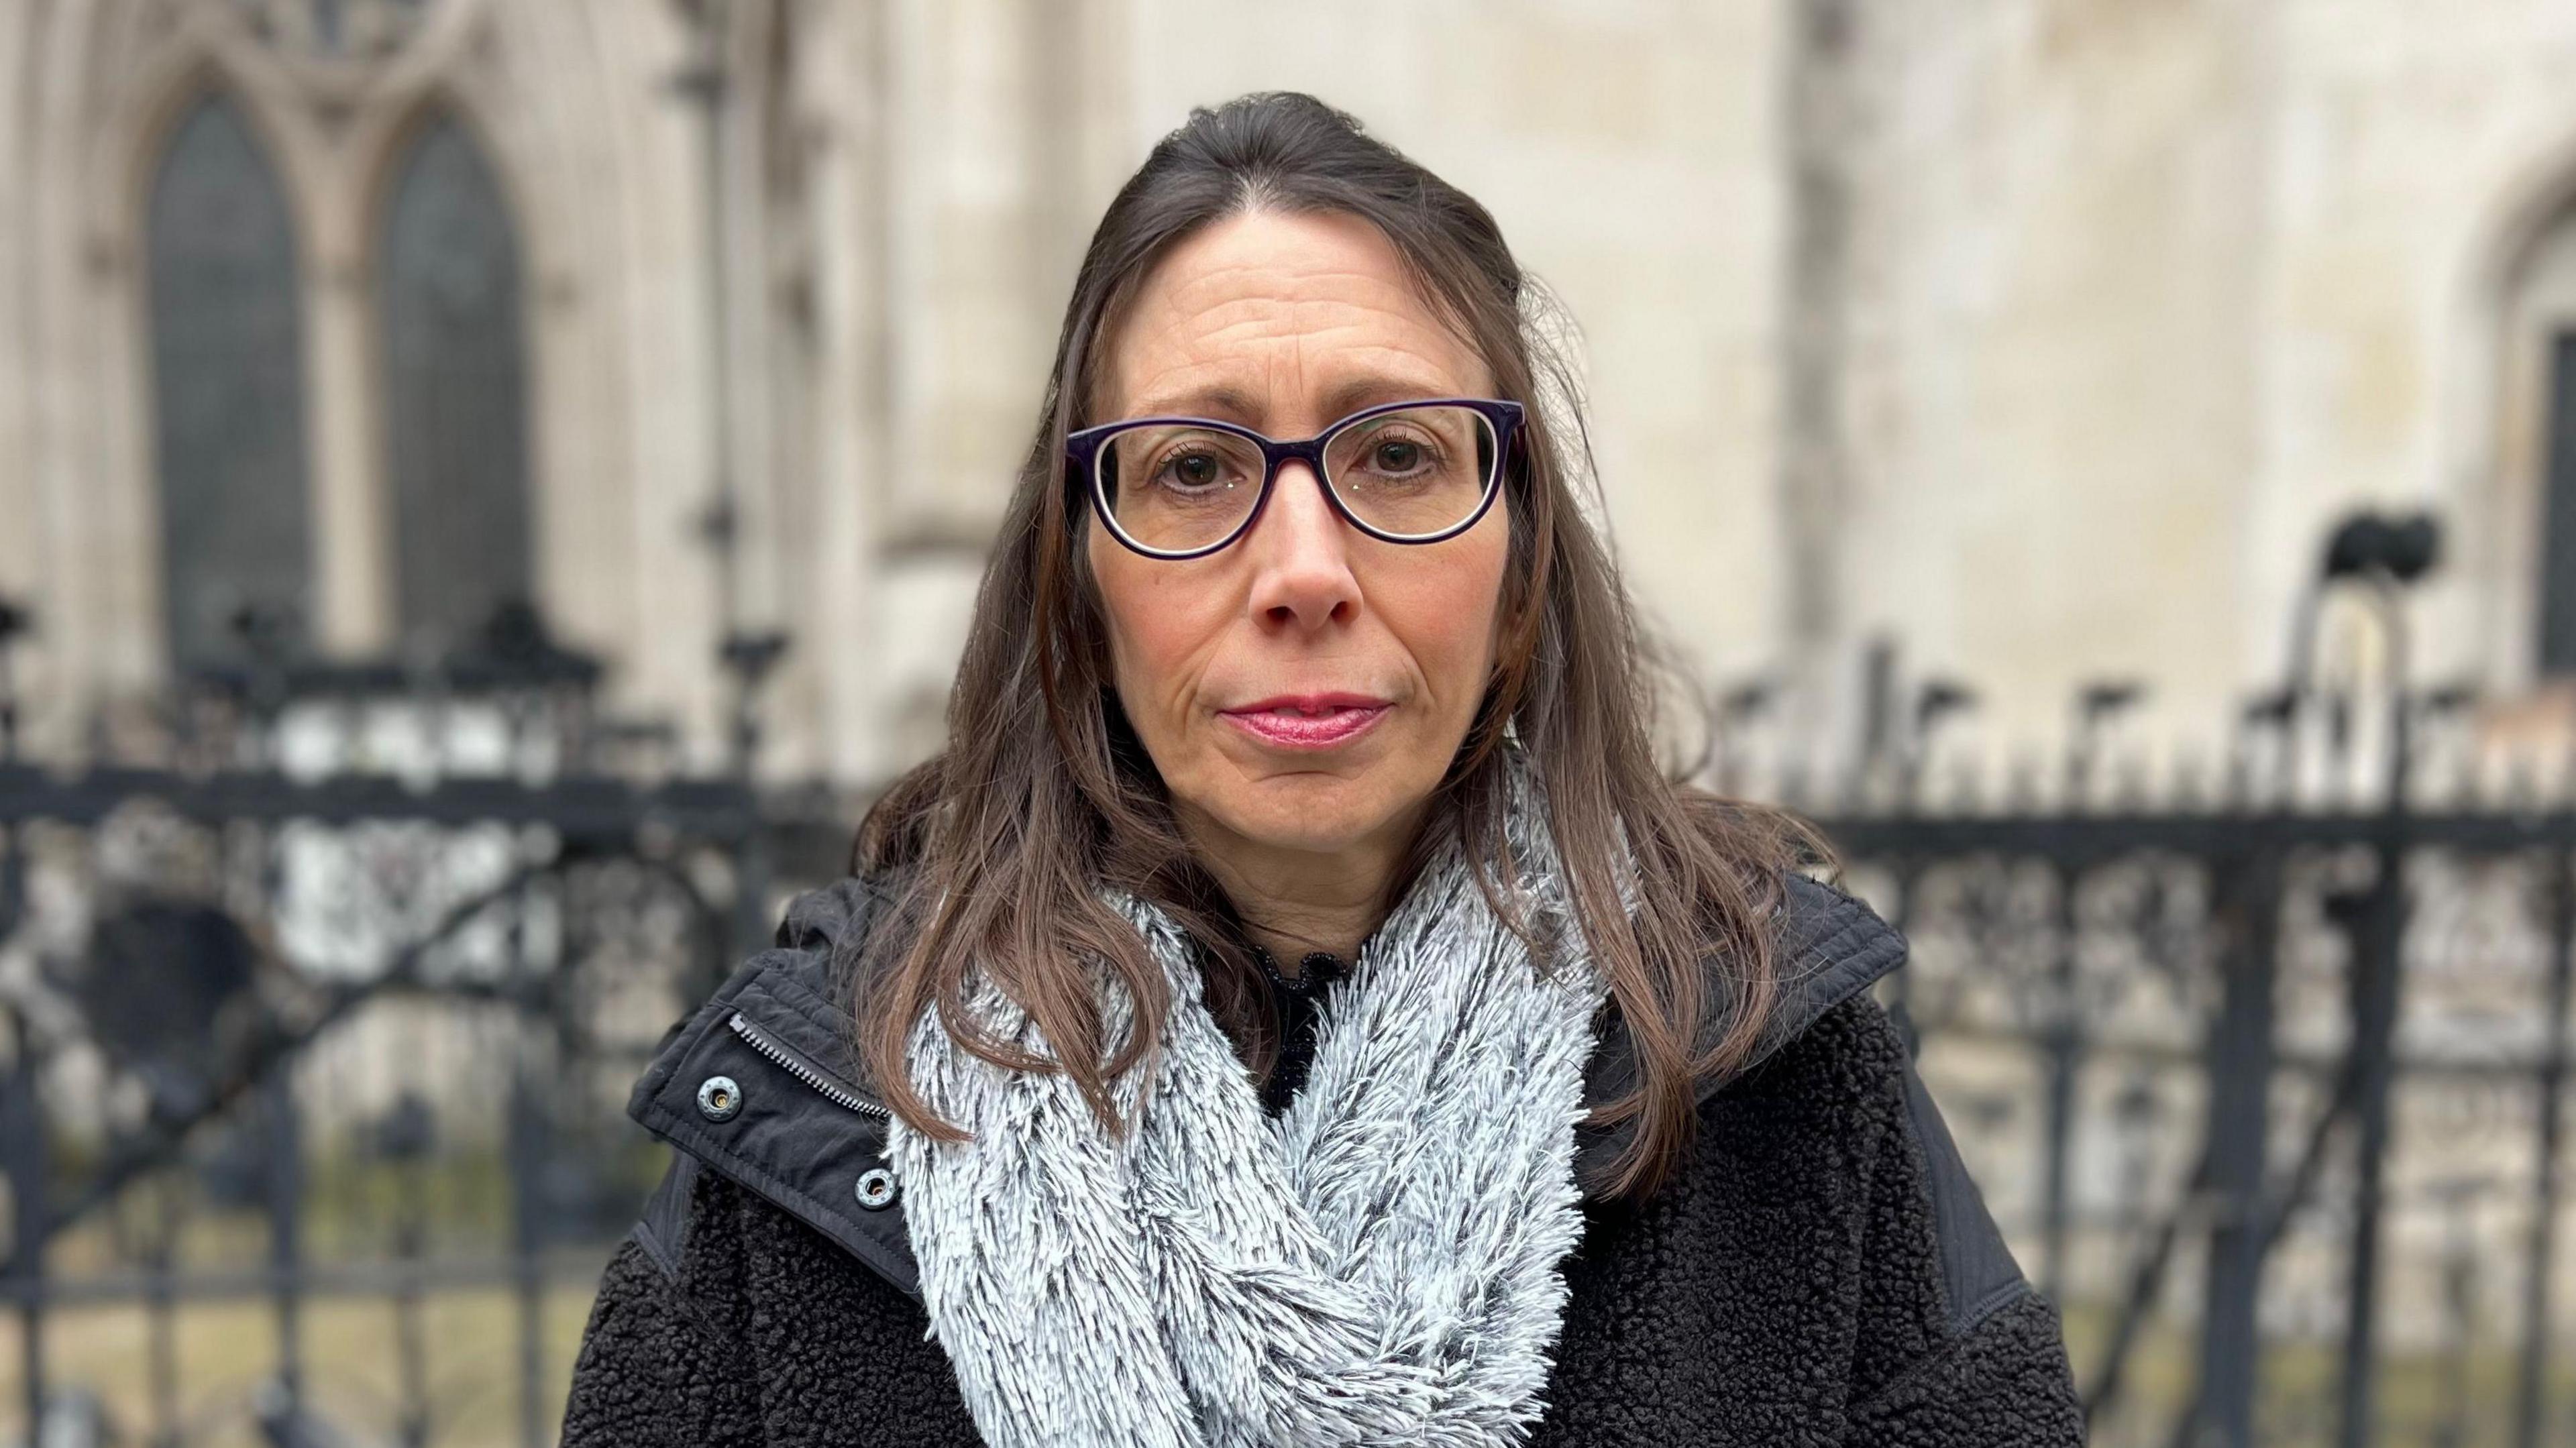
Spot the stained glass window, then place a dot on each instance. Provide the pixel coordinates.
(228, 385)
(455, 379)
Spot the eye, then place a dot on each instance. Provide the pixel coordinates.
(1396, 456)
(1396, 452)
(1192, 470)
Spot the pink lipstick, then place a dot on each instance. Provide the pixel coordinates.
(1308, 721)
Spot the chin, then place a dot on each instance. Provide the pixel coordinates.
(1320, 812)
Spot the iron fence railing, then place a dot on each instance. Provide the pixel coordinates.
(347, 1040)
(2270, 1101)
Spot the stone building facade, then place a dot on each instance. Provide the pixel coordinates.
(2022, 342)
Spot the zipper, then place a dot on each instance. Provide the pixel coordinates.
(787, 1059)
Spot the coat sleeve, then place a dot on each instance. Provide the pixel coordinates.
(1977, 1360)
(661, 1362)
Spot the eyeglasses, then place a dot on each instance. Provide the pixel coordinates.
(1407, 472)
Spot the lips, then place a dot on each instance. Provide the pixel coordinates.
(1308, 721)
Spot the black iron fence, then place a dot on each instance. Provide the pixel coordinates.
(2271, 1102)
(313, 1098)
(310, 1093)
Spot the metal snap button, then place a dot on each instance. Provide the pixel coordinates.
(719, 1099)
(876, 1189)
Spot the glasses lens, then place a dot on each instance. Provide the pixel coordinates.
(1414, 472)
(1173, 489)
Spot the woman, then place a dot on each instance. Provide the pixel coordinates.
(1571, 1120)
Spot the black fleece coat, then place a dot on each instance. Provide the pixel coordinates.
(1820, 1272)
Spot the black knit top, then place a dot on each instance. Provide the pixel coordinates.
(1295, 1003)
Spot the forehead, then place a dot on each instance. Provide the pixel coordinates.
(1268, 319)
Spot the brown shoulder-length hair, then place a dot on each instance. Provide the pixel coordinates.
(1043, 794)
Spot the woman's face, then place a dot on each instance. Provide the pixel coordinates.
(1305, 687)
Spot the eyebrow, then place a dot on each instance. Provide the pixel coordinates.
(1228, 403)
(1222, 401)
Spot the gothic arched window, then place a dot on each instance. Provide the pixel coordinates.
(228, 382)
(2558, 575)
(455, 378)
(2536, 397)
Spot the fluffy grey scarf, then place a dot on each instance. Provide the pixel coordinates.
(1379, 1265)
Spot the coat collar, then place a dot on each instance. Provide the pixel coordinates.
(1831, 947)
(761, 1083)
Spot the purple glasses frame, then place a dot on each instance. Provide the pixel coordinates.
(1082, 451)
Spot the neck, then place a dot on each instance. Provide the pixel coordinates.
(1295, 899)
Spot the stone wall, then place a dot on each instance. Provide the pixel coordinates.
(2155, 291)
(2039, 338)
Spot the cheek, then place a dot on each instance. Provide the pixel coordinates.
(1156, 631)
(1449, 618)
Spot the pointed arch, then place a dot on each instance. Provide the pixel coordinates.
(450, 300)
(228, 386)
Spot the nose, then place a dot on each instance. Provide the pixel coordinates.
(1299, 551)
